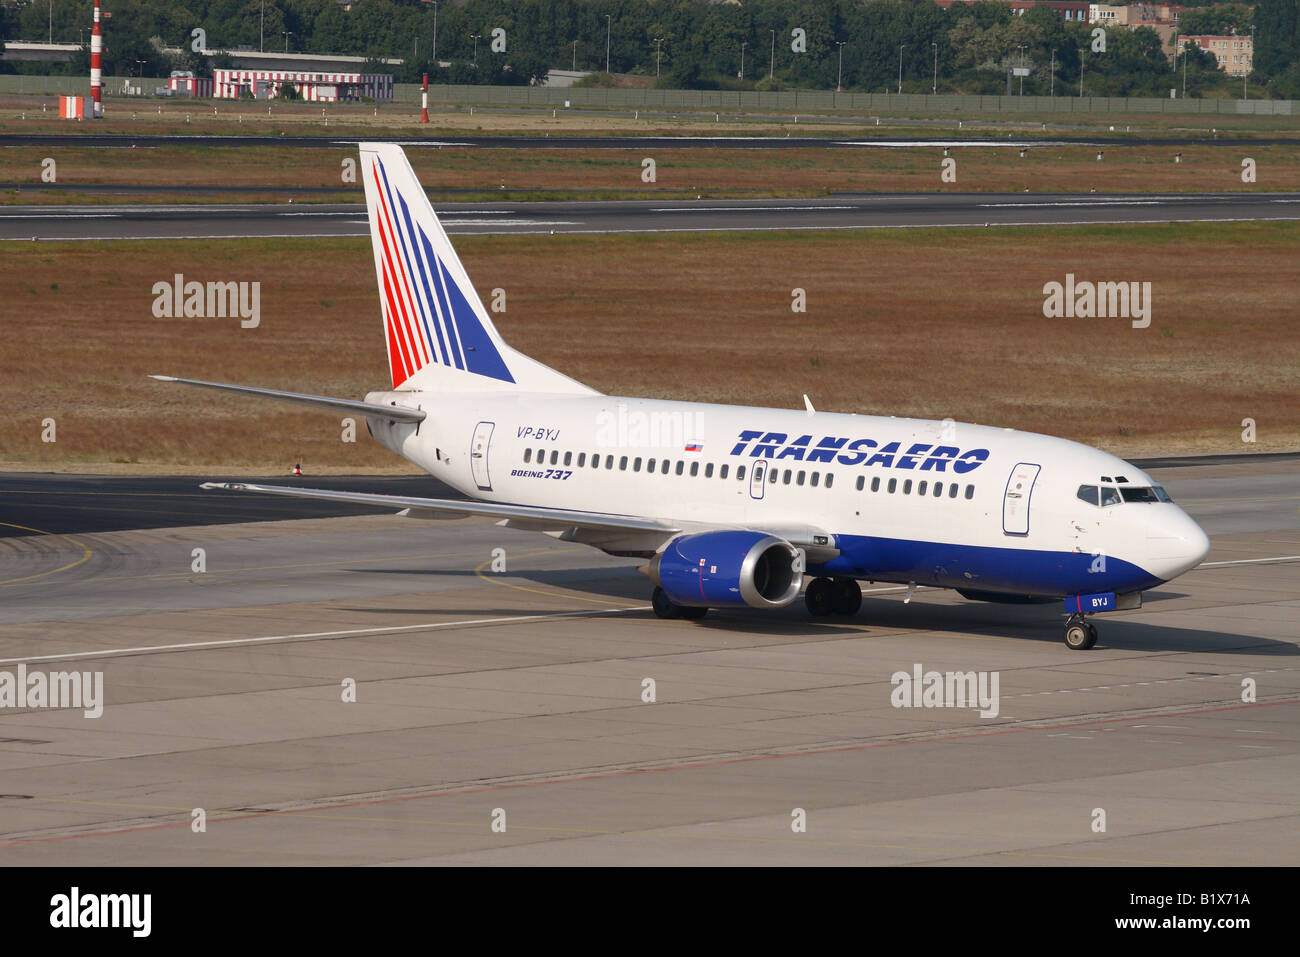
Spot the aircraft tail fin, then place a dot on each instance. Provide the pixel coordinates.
(438, 333)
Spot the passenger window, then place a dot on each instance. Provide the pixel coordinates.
(568, 458)
(582, 459)
(695, 469)
(862, 480)
(920, 488)
(798, 479)
(609, 461)
(663, 467)
(830, 476)
(1087, 493)
(636, 464)
(679, 467)
(907, 487)
(787, 476)
(740, 473)
(528, 455)
(938, 489)
(708, 470)
(875, 484)
(622, 464)
(722, 472)
(952, 490)
(814, 479)
(541, 456)
(893, 484)
(650, 465)
(555, 457)
(1109, 496)
(970, 491)
(773, 476)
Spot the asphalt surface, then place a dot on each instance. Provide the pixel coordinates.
(127, 140)
(847, 211)
(517, 695)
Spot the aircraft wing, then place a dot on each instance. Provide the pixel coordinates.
(533, 516)
(601, 529)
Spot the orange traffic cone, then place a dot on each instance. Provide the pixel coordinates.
(297, 468)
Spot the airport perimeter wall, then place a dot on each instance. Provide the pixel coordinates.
(748, 101)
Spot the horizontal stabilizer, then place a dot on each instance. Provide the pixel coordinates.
(397, 413)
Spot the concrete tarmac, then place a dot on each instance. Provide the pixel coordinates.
(517, 696)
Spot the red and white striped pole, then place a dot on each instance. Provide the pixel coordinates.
(96, 74)
(424, 100)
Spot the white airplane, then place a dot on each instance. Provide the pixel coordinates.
(733, 505)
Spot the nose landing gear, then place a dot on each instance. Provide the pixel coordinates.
(1080, 634)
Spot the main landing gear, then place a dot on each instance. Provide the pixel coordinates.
(666, 608)
(1080, 634)
(839, 596)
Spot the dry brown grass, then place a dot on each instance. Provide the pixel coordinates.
(927, 322)
(715, 172)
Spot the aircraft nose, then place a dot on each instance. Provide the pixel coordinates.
(1176, 544)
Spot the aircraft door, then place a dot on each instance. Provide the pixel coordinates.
(1016, 498)
(758, 479)
(478, 455)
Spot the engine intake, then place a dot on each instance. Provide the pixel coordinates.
(729, 569)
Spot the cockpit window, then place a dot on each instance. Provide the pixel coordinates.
(1146, 494)
(1088, 493)
(1139, 494)
(1109, 496)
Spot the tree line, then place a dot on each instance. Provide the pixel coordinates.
(865, 45)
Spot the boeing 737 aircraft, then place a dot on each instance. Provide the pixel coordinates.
(733, 506)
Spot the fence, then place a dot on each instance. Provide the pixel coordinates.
(749, 101)
(795, 101)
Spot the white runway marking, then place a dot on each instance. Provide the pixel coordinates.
(319, 635)
(1250, 561)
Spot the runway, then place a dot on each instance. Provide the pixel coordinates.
(844, 211)
(578, 142)
(517, 696)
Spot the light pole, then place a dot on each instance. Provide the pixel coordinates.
(743, 44)
(475, 37)
(287, 35)
(435, 36)
(261, 30)
(140, 64)
(51, 40)
(771, 71)
(658, 40)
(1080, 73)
(1022, 66)
(839, 75)
(1051, 90)
(900, 66)
(609, 26)
(934, 86)
(575, 56)
(1184, 72)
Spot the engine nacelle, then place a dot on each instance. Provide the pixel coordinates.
(729, 569)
